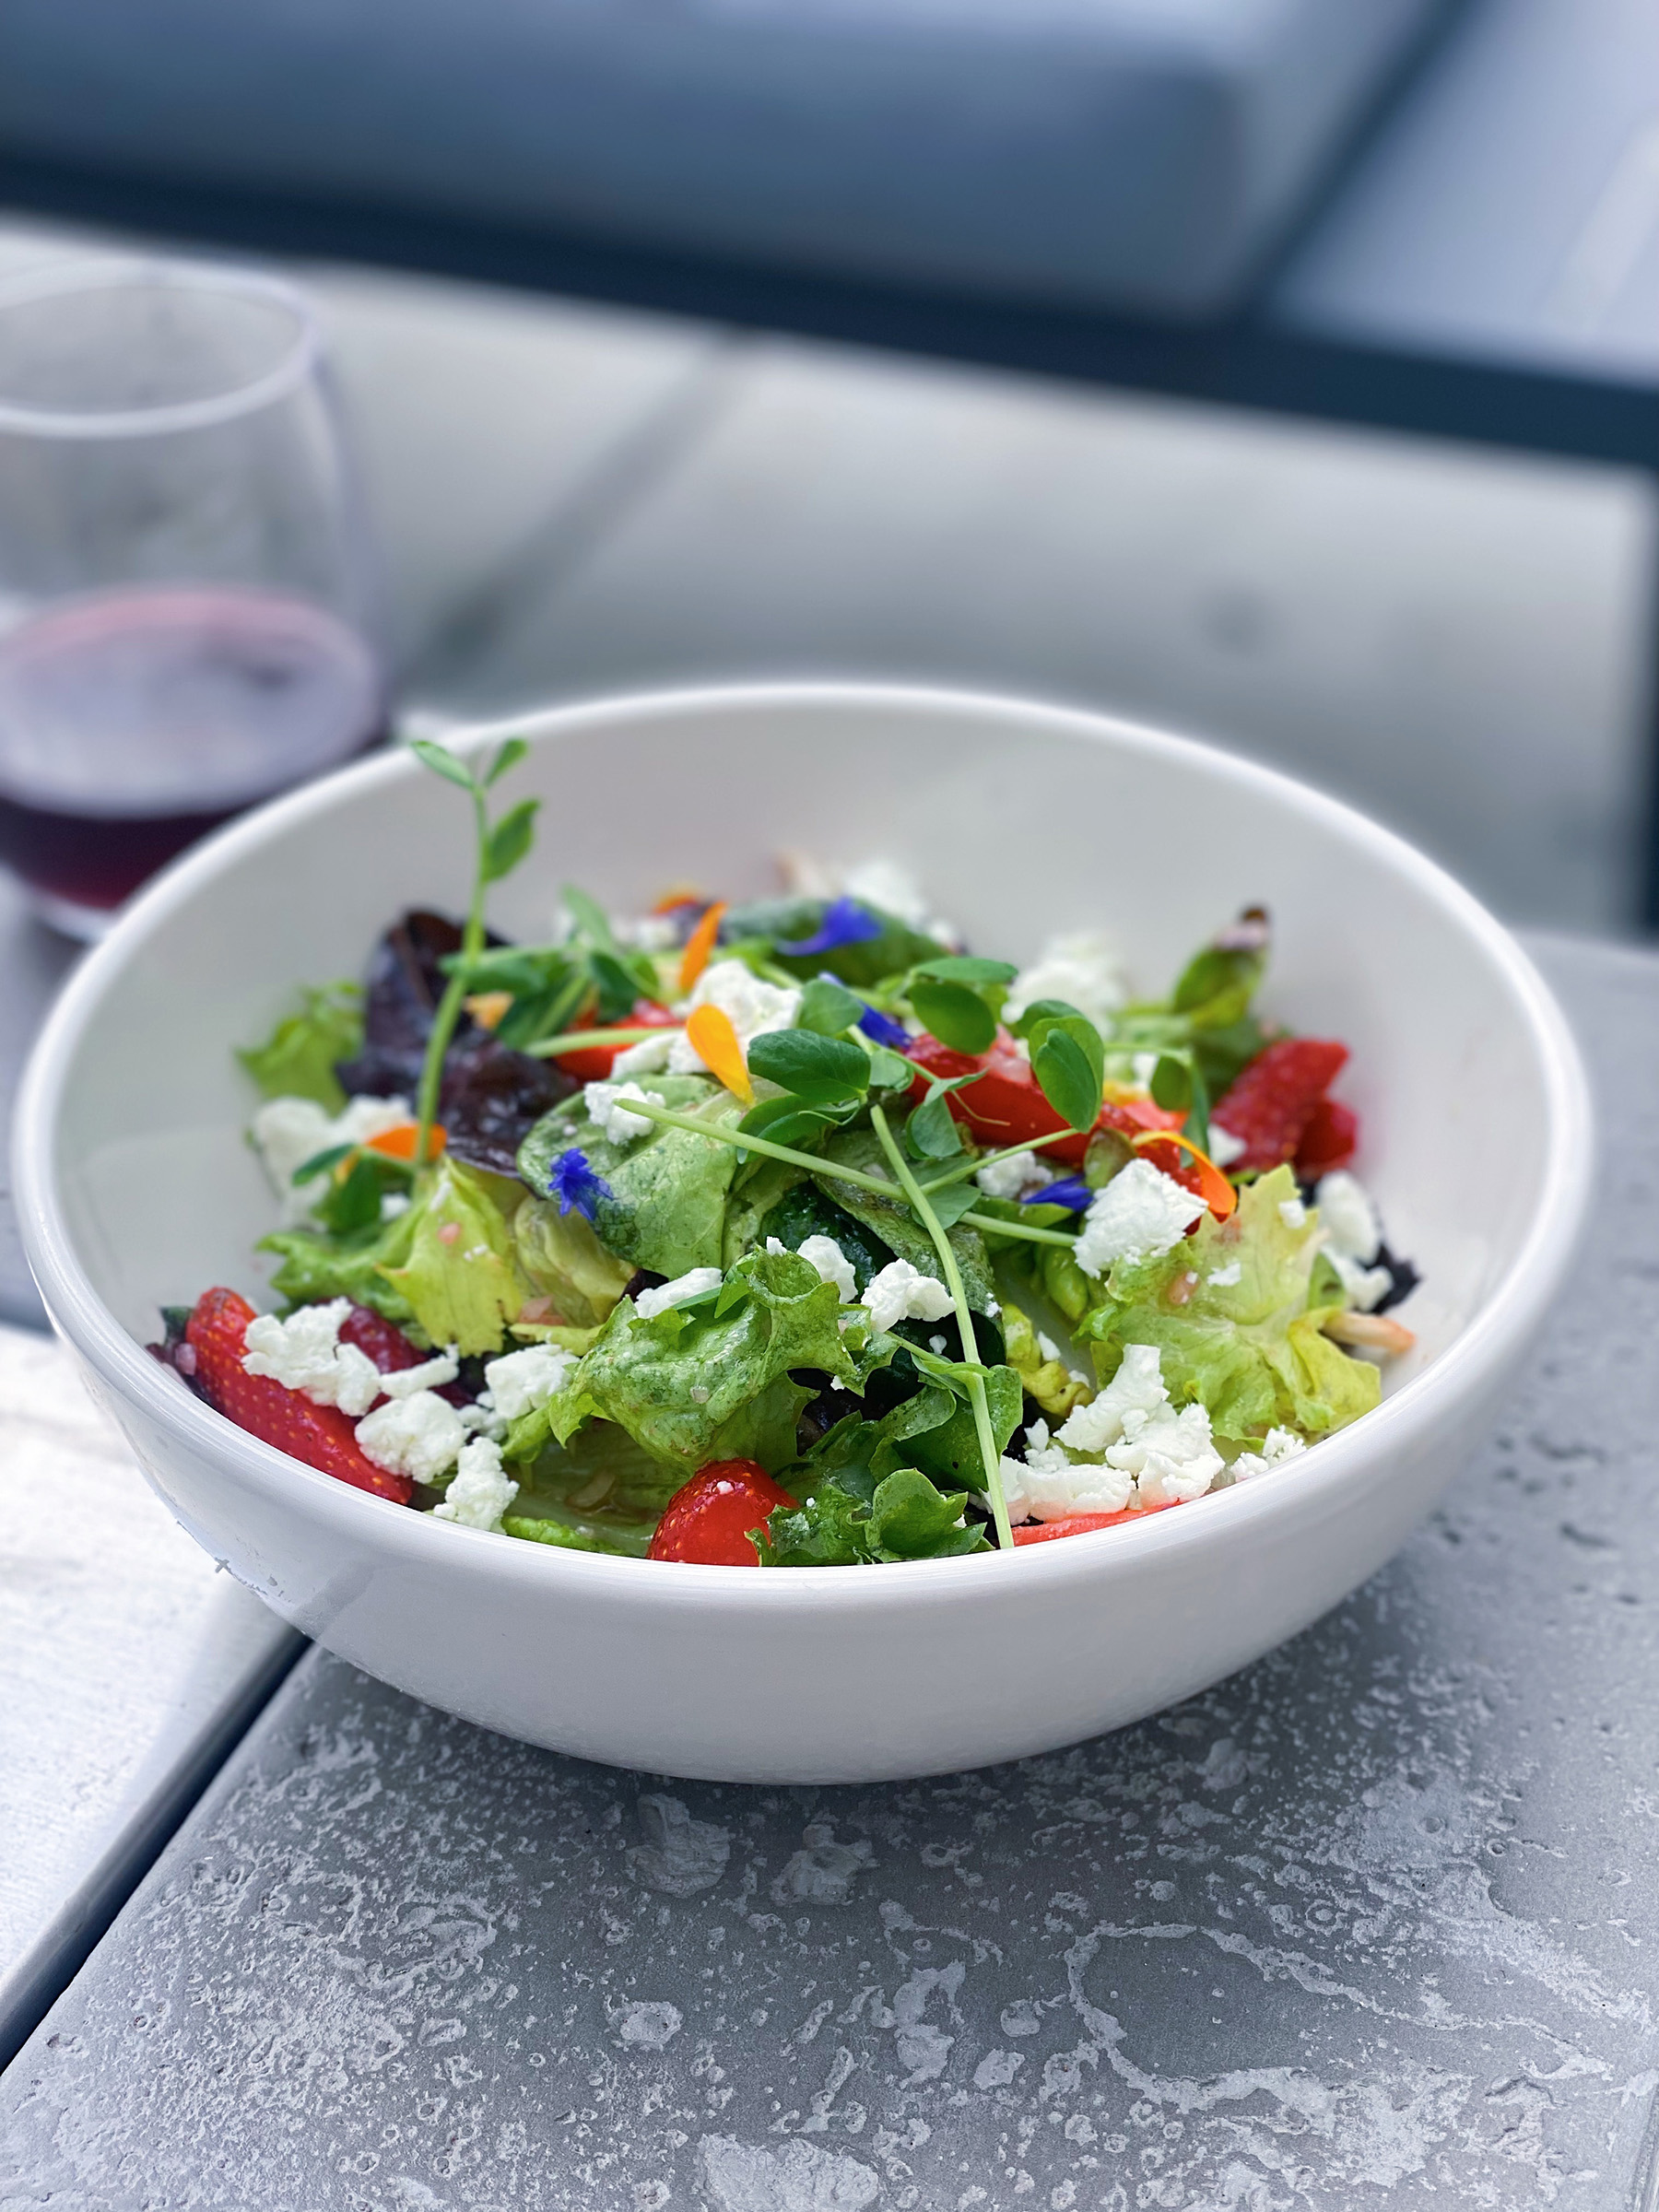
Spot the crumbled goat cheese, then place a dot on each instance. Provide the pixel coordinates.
(1170, 1455)
(649, 1057)
(1139, 1215)
(1224, 1146)
(830, 1263)
(394, 1203)
(520, 1381)
(752, 1005)
(1152, 1453)
(1364, 1286)
(652, 932)
(605, 1104)
(1047, 1346)
(1293, 1212)
(936, 1345)
(650, 1303)
(1083, 968)
(288, 1132)
(304, 1353)
(1011, 1178)
(480, 1493)
(420, 1436)
(430, 1374)
(1223, 1278)
(1277, 1445)
(1347, 1215)
(1138, 1389)
(902, 1292)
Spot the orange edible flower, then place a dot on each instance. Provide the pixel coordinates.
(398, 1142)
(1218, 1194)
(678, 894)
(700, 944)
(488, 1008)
(710, 1030)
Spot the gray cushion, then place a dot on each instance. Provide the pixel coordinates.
(1141, 153)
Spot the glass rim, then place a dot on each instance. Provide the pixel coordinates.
(59, 279)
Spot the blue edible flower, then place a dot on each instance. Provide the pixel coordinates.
(844, 923)
(881, 1029)
(575, 1186)
(1073, 1193)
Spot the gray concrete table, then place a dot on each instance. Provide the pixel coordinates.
(1378, 1916)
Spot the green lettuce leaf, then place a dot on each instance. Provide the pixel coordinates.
(561, 1258)
(459, 1277)
(757, 1188)
(317, 1266)
(1250, 1350)
(1049, 1382)
(857, 1519)
(297, 1060)
(668, 1209)
(932, 1429)
(807, 1211)
(710, 1380)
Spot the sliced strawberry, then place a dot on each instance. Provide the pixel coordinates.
(321, 1435)
(1269, 1106)
(593, 1065)
(1329, 1140)
(1079, 1524)
(381, 1340)
(708, 1520)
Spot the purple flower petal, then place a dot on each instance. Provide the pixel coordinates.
(575, 1186)
(883, 1030)
(844, 923)
(1073, 1191)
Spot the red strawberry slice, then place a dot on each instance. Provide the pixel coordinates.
(321, 1435)
(1328, 1140)
(708, 1520)
(380, 1340)
(1269, 1106)
(1080, 1524)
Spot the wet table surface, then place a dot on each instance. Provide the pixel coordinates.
(1376, 1919)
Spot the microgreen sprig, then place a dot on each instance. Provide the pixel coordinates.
(500, 847)
(923, 1212)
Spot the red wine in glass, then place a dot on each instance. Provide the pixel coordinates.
(131, 722)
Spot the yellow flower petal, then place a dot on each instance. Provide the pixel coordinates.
(711, 1032)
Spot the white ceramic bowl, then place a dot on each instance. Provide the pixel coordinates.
(137, 1188)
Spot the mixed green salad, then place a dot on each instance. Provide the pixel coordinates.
(792, 1232)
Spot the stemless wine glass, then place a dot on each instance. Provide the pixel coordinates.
(188, 594)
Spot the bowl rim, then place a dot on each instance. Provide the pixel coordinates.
(1511, 1313)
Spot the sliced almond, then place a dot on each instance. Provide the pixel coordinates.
(1375, 1331)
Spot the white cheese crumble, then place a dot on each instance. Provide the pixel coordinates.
(606, 1104)
(288, 1132)
(752, 1005)
(902, 1292)
(420, 1436)
(520, 1381)
(429, 1374)
(1293, 1212)
(304, 1353)
(1137, 1388)
(830, 1263)
(649, 1057)
(1277, 1445)
(1170, 1455)
(393, 1204)
(1138, 1215)
(1347, 1215)
(886, 884)
(1012, 1178)
(652, 932)
(1224, 1146)
(1148, 1452)
(481, 1490)
(650, 1303)
(1082, 968)
(1364, 1286)
(1223, 1278)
